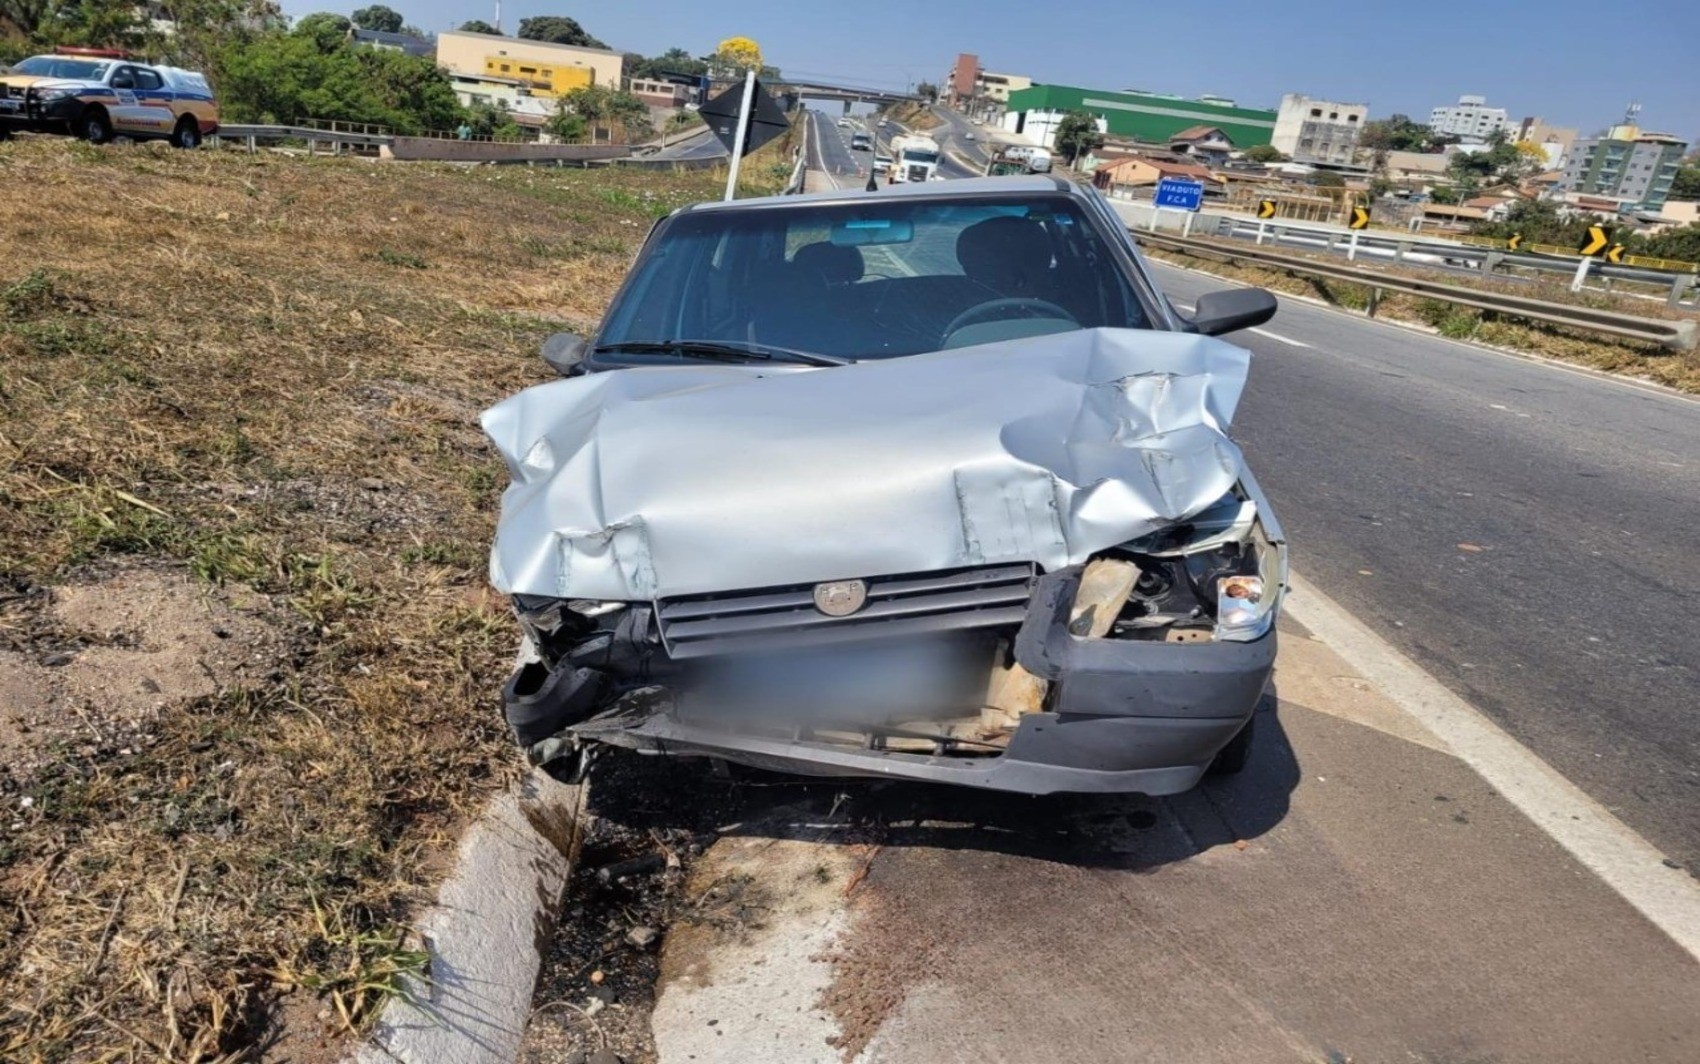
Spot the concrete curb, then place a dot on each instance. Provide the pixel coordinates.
(486, 933)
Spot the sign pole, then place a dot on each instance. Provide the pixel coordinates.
(1186, 225)
(1352, 247)
(743, 130)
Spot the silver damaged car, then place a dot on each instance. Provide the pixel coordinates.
(930, 483)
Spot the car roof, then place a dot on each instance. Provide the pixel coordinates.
(964, 188)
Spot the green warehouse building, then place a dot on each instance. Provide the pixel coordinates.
(1151, 117)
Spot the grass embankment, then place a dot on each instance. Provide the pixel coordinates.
(916, 116)
(259, 376)
(1679, 370)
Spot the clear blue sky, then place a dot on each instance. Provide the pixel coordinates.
(1573, 62)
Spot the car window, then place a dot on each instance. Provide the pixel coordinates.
(147, 79)
(52, 66)
(125, 78)
(876, 278)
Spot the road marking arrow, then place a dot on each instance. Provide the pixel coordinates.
(1266, 208)
(1596, 241)
(1360, 218)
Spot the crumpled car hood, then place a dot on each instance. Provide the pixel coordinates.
(650, 483)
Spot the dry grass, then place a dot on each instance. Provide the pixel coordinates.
(220, 363)
(1679, 370)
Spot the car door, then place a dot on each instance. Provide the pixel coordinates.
(139, 110)
(154, 114)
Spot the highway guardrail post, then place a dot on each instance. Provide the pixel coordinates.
(1581, 274)
(1678, 287)
(1261, 230)
(1491, 261)
(1400, 250)
(1351, 247)
(1374, 301)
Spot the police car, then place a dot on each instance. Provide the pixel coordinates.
(100, 94)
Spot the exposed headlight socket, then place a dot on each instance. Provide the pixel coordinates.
(1240, 606)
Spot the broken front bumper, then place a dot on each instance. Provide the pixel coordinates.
(1122, 716)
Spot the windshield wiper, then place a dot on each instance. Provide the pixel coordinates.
(734, 350)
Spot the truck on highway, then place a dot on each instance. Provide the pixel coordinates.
(915, 157)
(1018, 159)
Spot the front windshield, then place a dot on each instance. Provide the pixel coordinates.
(875, 279)
(58, 66)
(920, 156)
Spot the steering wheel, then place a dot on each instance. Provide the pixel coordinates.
(990, 311)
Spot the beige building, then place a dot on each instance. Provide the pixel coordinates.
(1310, 130)
(999, 86)
(545, 69)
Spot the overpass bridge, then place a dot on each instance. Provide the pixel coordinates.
(795, 90)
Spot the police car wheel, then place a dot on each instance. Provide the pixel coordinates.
(186, 135)
(96, 127)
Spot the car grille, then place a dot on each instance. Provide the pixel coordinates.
(897, 606)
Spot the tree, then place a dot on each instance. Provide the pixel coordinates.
(1327, 179)
(380, 18)
(488, 120)
(329, 30)
(25, 16)
(1264, 153)
(1687, 184)
(927, 91)
(557, 29)
(1399, 133)
(567, 126)
(738, 53)
(602, 108)
(477, 25)
(286, 78)
(1078, 134)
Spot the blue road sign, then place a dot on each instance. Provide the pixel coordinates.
(1180, 194)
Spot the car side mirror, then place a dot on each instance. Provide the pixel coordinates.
(1231, 309)
(564, 351)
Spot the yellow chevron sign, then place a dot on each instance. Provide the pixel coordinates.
(1515, 242)
(1595, 242)
(1360, 218)
(1615, 254)
(1266, 208)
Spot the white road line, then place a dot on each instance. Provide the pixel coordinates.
(1627, 863)
(1278, 336)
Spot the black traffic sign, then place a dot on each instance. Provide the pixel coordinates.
(1615, 253)
(1266, 208)
(767, 118)
(1360, 218)
(1595, 242)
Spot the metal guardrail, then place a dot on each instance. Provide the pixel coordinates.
(1673, 335)
(1647, 262)
(363, 137)
(1486, 258)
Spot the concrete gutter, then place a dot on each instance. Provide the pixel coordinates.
(486, 933)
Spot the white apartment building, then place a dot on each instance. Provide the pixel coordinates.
(1309, 130)
(1470, 119)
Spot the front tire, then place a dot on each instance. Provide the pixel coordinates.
(94, 126)
(187, 135)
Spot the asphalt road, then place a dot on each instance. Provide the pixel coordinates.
(1524, 532)
(829, 150)
(703, 145)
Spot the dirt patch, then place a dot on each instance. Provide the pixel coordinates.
(105, 656)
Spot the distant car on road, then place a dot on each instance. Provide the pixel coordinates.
(969, 136)
(861, 142)
(882, 163)
(843, 123)
(98, 94)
